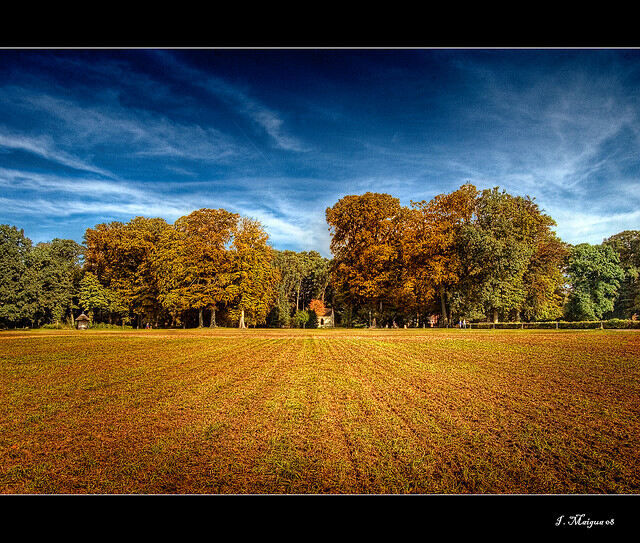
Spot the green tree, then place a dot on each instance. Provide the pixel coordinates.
(303, 276)
(18, 279)
(300, 318)
(595, 274)
(504, 248)
(627, 246)
(58, 270)
(94, 297)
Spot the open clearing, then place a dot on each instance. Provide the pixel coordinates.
(320, 411)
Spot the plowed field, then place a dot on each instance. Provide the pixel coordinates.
(320, 411)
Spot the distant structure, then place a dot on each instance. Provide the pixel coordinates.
(82, 322)
(326, 319)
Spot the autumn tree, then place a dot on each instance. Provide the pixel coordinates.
(122, 257)
(317, 306)
(430, 242)
(193, 262)
(253, 279)
(366, 246)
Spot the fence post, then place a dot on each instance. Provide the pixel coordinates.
(556, 325)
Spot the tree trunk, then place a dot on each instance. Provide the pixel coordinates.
(241, 323)
(444, 307)
(200, 319)
(495, 315)
(212, 324)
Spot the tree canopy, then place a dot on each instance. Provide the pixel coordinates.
(482, 255)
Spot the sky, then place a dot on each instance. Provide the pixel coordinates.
(90, 136)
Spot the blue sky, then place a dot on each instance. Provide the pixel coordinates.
(96, 135)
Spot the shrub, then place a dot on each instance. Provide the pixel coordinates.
(300, 318)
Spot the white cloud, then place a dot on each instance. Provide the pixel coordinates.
(129, 131)
(44, 147)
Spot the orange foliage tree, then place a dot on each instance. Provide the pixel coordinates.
(317, 306)
(366, 247)
(430, 245)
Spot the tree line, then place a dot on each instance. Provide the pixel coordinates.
(478, 255)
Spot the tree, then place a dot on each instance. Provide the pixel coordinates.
(17, 277)
(507, 248)
(595, 274)
(252, 290)
(58, 270)
(544, 279)
(627, 246)
(366, 247)
(122, 257)
(317, 306)
(431, 245)
(292, 267)
(94, 297)
(303, 276)
(193, 263)
(301, 318)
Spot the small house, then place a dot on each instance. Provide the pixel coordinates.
(82, 322)
(326, 319)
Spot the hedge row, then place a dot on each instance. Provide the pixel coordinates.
(584, 325)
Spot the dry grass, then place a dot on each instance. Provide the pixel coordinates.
(319, 411)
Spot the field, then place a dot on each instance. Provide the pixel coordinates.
(320, 411)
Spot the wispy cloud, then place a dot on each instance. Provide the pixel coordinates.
(241, 101)
(44, 146)
(129, 132)
(39, 182)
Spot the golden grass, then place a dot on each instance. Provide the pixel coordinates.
(319, 411)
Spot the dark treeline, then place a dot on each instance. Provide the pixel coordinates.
(473, 255)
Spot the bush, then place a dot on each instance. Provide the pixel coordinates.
(621, 323)
(300, 319)
(612, 324)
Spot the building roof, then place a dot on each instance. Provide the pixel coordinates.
(326, 313)
(82, 317)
